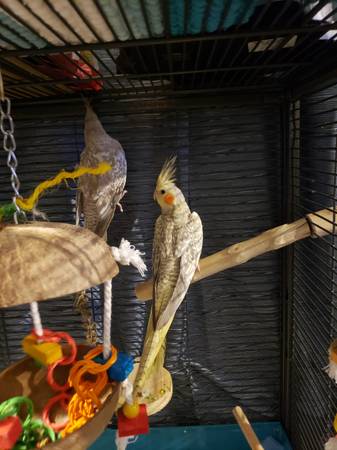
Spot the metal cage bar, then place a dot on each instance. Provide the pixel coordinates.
(207, 63)
(313, 285)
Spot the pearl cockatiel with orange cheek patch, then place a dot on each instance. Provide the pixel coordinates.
(177, 247)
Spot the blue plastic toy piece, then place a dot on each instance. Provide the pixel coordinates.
(121, 369)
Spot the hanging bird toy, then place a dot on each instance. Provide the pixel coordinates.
(29, 204)
(73, 383)
(22, 434)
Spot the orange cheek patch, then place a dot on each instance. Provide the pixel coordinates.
(169, 199)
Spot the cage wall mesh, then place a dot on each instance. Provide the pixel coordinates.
(224, 347)
(313, 398)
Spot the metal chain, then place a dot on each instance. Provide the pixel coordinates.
(9, 145)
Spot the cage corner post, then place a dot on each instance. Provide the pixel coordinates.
(288, 137)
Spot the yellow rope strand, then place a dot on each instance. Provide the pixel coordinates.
(28, 204)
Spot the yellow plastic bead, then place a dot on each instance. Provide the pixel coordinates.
(45, 353)
(131, 411)
(335, 423)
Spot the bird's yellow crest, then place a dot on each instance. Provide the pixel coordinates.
(167, 174)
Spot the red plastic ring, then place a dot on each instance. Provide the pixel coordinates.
(46, 411)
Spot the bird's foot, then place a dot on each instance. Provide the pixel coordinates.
(37, 214)
(66, 182)
(119, 203)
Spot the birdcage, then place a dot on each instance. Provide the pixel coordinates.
(245, 94)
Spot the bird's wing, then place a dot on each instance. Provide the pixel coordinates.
(104, 222)
(156, 254)
(188, 247)
(105, 204)
(157, 238)
(100, 194)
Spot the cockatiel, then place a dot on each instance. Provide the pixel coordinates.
(177, 247)
(99, 195)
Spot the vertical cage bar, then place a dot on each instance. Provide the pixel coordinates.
(314, 275)
(287, 255)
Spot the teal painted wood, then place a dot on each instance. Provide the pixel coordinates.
(155, 17)
(212, 437)
(237, 12)
(115, 19)
(177, 14)
(196, 16)
(24, 32)
(135, 17)
(214, 15)
(13, 38)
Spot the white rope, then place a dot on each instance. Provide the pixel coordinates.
(122, 442)
(127, 386)
(107, 320)
(127, 254)
(34, 310)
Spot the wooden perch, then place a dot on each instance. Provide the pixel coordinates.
(247, 429)
(314, 225)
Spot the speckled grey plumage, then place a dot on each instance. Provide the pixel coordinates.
(98, 195)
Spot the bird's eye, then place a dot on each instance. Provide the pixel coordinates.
(162, 191)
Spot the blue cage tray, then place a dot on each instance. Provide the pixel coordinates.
(215, 437)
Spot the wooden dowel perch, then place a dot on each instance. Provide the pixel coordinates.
(247, 429)
(313, 225)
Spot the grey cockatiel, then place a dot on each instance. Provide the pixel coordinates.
(177, 247)
(98, 195)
